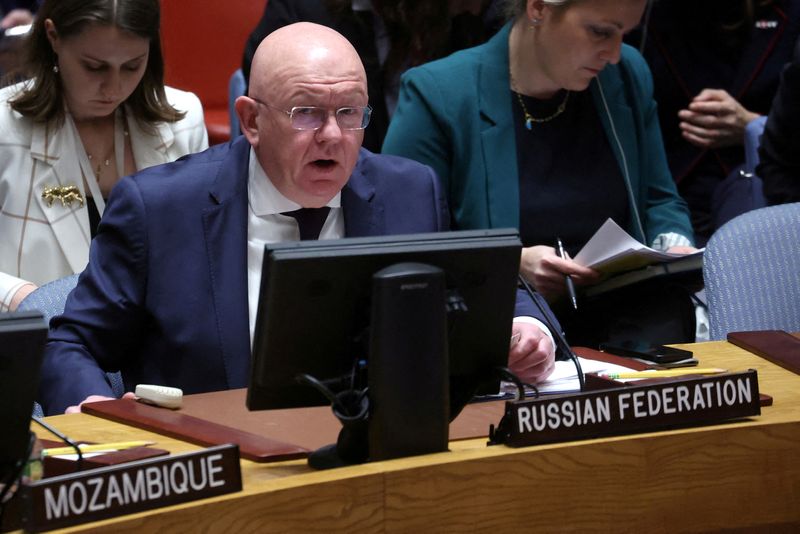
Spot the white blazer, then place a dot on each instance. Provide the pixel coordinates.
(40, 242)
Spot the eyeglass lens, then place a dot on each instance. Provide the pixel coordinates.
(312, 118)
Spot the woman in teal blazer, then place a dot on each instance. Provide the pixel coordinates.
(462, 115)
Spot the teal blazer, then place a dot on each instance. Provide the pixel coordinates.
(455, 115)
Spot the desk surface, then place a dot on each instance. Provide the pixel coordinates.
(731, 476)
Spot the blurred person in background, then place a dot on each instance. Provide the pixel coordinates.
(716, 66)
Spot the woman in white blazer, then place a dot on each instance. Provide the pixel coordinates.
(95, 109)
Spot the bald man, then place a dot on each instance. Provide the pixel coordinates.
(170, 293)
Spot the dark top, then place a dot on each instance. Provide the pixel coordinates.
(8, 5)
(94, 216)
(779, 151)
(570, 182)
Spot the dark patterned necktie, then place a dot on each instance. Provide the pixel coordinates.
(309, 220)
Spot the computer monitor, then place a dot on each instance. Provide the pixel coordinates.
(314, 309)
(22, 337)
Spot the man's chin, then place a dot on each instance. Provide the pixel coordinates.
(319, 192)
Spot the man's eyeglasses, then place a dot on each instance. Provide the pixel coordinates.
(313, 118)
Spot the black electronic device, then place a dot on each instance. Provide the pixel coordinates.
(658, 354)
(316, 300)
(22, 337)
(408, 367)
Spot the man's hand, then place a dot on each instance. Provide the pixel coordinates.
(542, 267)
(96, 398)
(714, 119)
(16, 17)
(532, 356)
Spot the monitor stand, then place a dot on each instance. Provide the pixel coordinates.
(407, 410)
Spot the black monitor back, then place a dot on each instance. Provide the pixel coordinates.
(22, 337)
(314, 310)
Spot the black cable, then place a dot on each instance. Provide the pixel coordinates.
(337, 401)
(63, 438)
(557, 333)
(507, 375)
(15, 475)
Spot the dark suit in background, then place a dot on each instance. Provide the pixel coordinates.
(164, 298)
(687, 52)
(779, 151)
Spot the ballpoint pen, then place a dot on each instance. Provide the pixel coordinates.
(570, 284)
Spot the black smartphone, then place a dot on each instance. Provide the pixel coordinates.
(656, 354)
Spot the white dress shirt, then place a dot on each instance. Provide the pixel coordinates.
(265, 224)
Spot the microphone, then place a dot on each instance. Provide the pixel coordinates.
(63, 438)
(558, 335)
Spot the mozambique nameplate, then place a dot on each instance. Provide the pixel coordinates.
(133, 487)
(673, 403)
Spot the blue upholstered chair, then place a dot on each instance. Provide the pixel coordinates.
(236, 88)
(50, 299)
(752, 272)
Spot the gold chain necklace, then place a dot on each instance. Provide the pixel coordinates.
(98, 170)
(530, 119)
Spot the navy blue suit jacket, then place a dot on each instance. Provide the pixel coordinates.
(164, 297)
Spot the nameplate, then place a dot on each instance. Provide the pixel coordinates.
(134, 487)
(673, 403)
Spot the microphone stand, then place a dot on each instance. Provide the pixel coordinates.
(499, 434)
(63, 438)
(561, 341)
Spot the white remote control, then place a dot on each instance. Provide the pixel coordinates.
(163, 396)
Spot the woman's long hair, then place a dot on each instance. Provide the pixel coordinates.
(42, 100)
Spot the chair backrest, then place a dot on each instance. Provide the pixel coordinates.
(752, 272)
(50, 299)
(203, 43)
(236, 88)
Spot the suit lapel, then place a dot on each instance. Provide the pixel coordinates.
(225, 230)
(55, 164)
(363, 215)
(498, 143)
(149, 149)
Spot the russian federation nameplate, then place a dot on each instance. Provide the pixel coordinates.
(674, 403)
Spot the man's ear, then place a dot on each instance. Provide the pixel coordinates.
(247, 111)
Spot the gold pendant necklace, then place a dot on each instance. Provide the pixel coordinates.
(98, 170)
(530, 119)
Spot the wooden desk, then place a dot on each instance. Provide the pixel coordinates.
(741, 475)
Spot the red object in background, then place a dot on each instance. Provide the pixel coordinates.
(203, 42)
